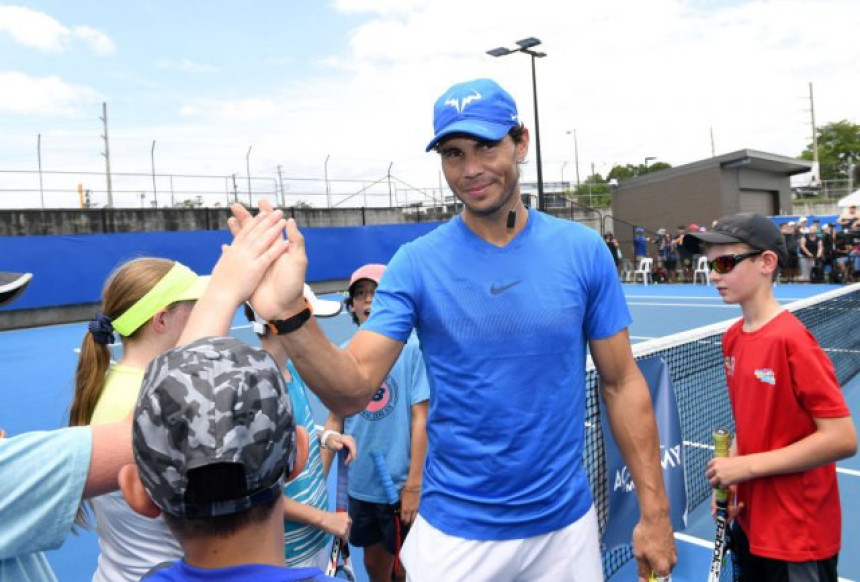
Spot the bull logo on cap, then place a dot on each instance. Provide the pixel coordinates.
(460, 104)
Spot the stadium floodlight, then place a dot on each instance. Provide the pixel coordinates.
(526, 46)
(499, 52)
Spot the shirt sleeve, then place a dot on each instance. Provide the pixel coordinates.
(814, 381)
(393, 313)
(606, 312)
(41, 483)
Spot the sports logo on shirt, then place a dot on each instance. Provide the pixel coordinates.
(383, 401)
(729, 365)
(766, 376)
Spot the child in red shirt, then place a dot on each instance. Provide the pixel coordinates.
(791, 420)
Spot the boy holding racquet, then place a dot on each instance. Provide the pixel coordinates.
(791, 420)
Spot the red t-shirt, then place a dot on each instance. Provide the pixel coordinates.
(779, 379)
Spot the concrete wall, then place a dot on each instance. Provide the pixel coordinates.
(102, 220)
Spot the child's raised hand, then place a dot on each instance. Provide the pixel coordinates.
(256, 244)
(280, 289)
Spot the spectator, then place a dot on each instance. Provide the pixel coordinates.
(668, 254)
(808, 251)
(684, 255)
(640, 244)
(827, 247)
(789, 233)
(841, 255)
(849, 219)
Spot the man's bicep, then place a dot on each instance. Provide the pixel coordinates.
(613, 358)
(374, 355)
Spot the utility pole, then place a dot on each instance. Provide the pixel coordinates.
(248, 170)
(814, 134)
(281, 182)
(106, 154)
(235, 189)
(327, 188)
(390, 205)
(713, 150)
(39, 154)
(154, 189)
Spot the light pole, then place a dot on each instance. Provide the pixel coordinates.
(152, 158)
(526, 46)
(562, 176)
(248, 169)
(575, 154)
(648, 159)
(327, 190)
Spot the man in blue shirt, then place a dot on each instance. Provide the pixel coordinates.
(505, 301)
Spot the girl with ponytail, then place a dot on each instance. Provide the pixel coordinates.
(146, 303)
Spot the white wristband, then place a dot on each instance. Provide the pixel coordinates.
(327, 433)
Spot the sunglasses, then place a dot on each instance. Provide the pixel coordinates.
(726, 263)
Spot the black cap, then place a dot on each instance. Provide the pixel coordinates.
(758, 231)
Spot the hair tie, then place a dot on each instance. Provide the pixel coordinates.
(101, 328)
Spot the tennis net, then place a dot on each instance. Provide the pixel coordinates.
(694, 359)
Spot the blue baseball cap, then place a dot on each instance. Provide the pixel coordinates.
(480, 108)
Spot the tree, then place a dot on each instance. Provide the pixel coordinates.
(838, 148)
(629, 170)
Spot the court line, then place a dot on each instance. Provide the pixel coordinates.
(852, 472)
(722, 305)
(698, 298)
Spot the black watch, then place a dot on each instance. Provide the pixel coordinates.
(292, 323)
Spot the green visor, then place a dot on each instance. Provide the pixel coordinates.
(179, 284)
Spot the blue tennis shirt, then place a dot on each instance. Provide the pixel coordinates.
(503, 332)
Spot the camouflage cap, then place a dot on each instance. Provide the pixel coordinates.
(213, 429)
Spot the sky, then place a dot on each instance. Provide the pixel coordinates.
(338, 94)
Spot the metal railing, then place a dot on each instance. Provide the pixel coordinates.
(75, 189)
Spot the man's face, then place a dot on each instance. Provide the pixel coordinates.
(484, 175)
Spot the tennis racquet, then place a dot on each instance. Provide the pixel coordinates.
(721, 495)
(393, 499)
(340, 565)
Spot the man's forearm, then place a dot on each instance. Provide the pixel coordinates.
(631, 418)
(332, 373)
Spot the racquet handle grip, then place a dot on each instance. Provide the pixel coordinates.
(722, 438)
(655, 578)
(388, 487)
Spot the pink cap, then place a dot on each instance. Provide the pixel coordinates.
(372, 271)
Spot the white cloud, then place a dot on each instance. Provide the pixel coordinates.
(186, 66)
(98, 41)
(37, 30)
(634, 78)
(45, 96)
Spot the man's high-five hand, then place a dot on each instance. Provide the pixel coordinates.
(280, 291)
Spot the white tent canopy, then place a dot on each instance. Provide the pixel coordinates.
(852, 199)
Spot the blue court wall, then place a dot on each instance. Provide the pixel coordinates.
(72, 269)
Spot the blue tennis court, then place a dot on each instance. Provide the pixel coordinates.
(40, 365)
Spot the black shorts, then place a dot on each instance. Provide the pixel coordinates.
(750, 568)
(373, 523)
